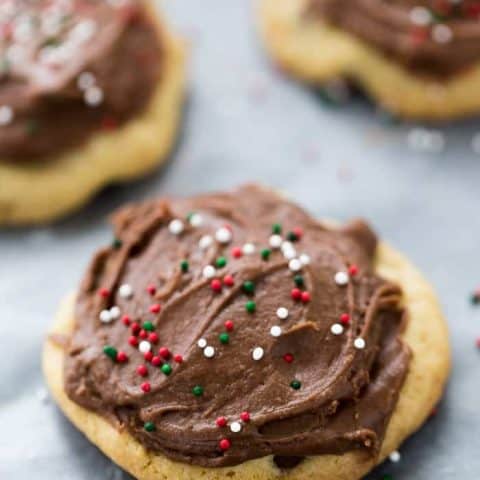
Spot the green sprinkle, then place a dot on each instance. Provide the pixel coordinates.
(221, 262)
(248, 287)
(117, 243)
(184, 266)
(110, 351)
(197, 390)
(250, 306)
(224, 338)
(299, 281)
(149, 427)
(148, 326)
(190, 215)
(276, 228)
(292, 236)
(265, 253)
(166, 369)
(296, 384)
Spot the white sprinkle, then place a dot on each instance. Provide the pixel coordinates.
(83, 31)
(105, 316)
(6, 115)
(282, 313)
(359, 343)
(395, 456)
(196, 220)
(236, 427)
(295, 265)
(202, 343)
(144, 346)
(248, 249)
(209, 271)
(93, 96)
(176, 226)
(275, 241)
(125, 291)
(209, 352)
(305, 259)
(288, 250)
(223, 235)
(336, 329)
(341, 278)
(420, 16)
(85, 81)
(442, 33)
(275, 331)
(257, 353)
(115, 312)
(205, 242)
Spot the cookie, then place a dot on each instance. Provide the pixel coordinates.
(232, 335)
(416, 62)
(90, 112)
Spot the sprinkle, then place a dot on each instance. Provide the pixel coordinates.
(236, 252)
(143, 334)
(236, 427)
(151, 289)
(296, 384)
(265, 254)
(288, 357)
(104, 292)
(420, 16)
(276, 228)
(122, 357)
(221, 422)
(282, 313)
(116, 243)
(153, 337)
(149, 427)
(245, 417)
(250, 306)
(292, 237)
(395, 456)
(298, 232)
(133, 341)
(305, 297)
(115, 312)
(229, 325)
(345, 318)
(155, 308)
(220, 262)
(142, 370)
(125, 291)
(105, 316)
(223, 235)
(288, 250)
(209, 271)
(6, 115)
(166, 369)
(216, 285)
(336, 329)
(110, 351)
(148, 326)
(195, 220)
(135, 328)
(205, 242)
(176, 227)
(209, 352)
(178, 358)
(275, 331)
(248, 249)
(156, 361)
(295, 265)
(257, 353)
(442, 34)
(248, 287)
(304, 258)
(296, 294)
(341, 278)
(224, 444)
(93, 96)
(352, 270)
(164, 352)
(126, 320)
(228, 280)
(146, 387)
(224, 338)
(148, 356)
(184, 266)
(202, 343)
(299, 281)
(144, 346)
(359, 343)
(197, 390)
(85, 81)
(275, 241)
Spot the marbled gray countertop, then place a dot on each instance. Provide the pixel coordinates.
(244, 121)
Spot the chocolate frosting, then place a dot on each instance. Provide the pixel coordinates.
(431, 37)
(244, 379)
(72, 67)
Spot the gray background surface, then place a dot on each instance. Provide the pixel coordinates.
(245, 121)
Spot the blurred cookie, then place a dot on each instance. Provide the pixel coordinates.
(90, 93)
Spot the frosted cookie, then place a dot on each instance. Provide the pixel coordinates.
(232, 335)
(416, 58)
(90, 94)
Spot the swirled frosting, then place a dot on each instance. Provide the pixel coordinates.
(69, 68)
(231, 326)
(431, 37)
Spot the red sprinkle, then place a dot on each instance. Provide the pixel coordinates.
(221, 422)
(178, 358)
(224, 444)
(164, 352)
(143, 334)
(142, 370)
(122, 357)
(104, 292)
(135, 328)
(306, 297)
(156, 361)
(237, 252)
(245, 416)
(126, 320)
(296, 294)
(288, 357)
(148, 356)
(145, 387)
(228, 280)
(155, 308)
(352, 270)
(345, 318)
(153, 337)
(298, 232)
(229, 325)
(133, 341)
(216, 285)
(151, 289)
